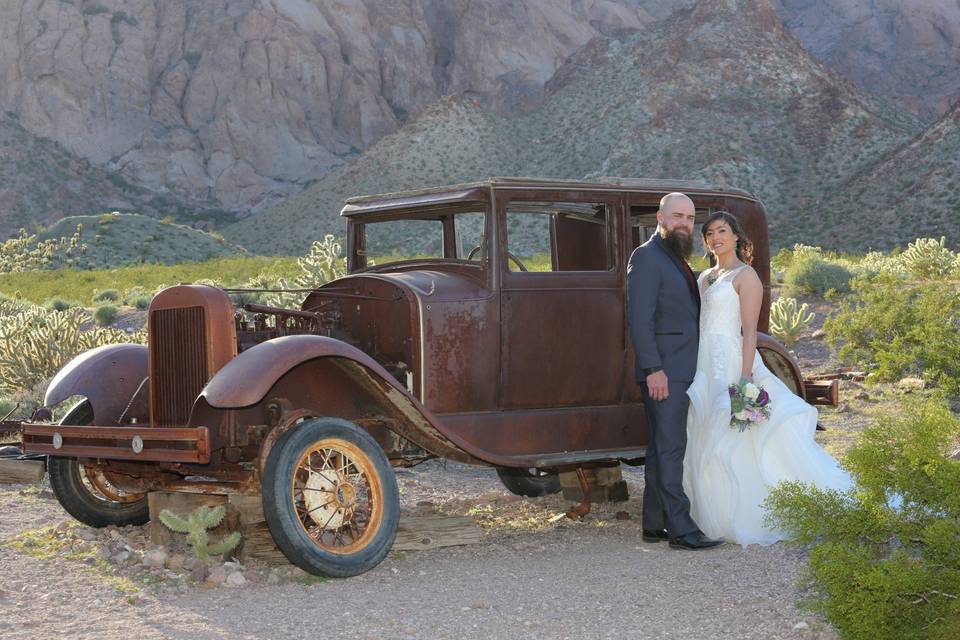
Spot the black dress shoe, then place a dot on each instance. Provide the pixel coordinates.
(694, 541)
(655, 535)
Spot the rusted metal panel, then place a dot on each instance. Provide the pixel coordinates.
(110, 377)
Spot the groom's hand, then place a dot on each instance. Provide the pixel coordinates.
(657, 386)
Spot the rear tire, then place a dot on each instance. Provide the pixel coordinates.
(531, 483)
(330, 498)
(83, 500)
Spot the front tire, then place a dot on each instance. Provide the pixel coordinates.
(86, 494)
(330, 498)
(531, 483)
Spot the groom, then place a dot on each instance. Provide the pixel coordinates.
(663, 305)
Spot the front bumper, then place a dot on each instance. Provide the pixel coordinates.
(139, 442)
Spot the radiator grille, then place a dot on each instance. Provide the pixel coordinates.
(179, 355)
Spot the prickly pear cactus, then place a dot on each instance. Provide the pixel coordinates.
(787, 321)
(196, 525)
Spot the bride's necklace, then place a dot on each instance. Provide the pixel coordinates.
(716, 273)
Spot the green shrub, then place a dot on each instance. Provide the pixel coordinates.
(107, 295)
(885, 564)
(898, 329)
(105, 315)
(811, 274)
(141, 302)
(59, 304)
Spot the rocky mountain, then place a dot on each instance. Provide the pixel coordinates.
(38, 175)
(237, 103)
(905, 50)
(679, 99)
(914, 192)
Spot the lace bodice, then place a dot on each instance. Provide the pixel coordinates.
(720, 305)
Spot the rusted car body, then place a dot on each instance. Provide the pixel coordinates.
(462, 352)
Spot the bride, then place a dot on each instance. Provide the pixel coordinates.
(727, 474)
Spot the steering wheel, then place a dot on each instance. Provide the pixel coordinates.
(510, 256)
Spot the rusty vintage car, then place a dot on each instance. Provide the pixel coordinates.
(497, 335)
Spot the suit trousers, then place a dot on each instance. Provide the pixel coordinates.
(665, 505)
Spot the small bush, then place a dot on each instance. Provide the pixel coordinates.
(59, 304)
(105, 315)
(141, 302)
(886, 558)
(107, 295)
(814, 275)
(898, 330)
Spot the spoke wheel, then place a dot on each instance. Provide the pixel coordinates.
(337, 496)
(330, 498)
(87, 493)
(100, 487)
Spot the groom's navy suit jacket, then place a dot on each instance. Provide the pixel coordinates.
(663, 310)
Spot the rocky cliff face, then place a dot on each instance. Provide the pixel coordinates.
(236, 103)
(682, 98)
(905, 50)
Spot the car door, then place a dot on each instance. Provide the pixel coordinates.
(562, 299)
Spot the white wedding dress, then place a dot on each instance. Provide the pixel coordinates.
(727, 474)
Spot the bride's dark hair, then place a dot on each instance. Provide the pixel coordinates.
(744, 246)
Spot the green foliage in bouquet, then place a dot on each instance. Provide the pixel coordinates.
(885, 557)
(196, 525)
(901, 330)
(787, 321)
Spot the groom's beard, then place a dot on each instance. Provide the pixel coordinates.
(680, 242)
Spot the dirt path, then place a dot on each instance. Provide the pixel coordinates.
(530, 578)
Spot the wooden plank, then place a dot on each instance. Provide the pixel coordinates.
(432, 532)
(21, 471)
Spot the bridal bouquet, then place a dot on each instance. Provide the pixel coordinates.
(749, 405)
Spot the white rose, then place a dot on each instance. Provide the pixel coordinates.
(740, 415)
(751, 391)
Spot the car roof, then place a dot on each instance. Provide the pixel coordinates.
(469, 191)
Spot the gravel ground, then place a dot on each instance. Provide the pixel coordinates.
(530, 578)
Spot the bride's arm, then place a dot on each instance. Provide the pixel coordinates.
(750, 289)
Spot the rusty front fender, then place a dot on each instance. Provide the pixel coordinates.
(107, 377)
(247, 380)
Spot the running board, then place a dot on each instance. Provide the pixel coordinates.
(573, 458)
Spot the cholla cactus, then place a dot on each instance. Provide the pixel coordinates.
(323, 264)
(787, 322)
(36, 342)
(26, 253)
(196, 525)
(928, 258)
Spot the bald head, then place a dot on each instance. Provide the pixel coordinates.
(676, 212)
(674, 200)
